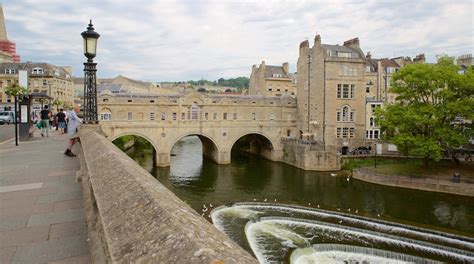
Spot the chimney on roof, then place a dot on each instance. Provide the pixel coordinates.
(317, 40)
(420, 58)
(352, 43)
(286, 67)
(304, 44)
(368, 56)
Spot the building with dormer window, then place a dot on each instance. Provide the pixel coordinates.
(271, 80)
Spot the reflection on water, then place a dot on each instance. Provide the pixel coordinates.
(205, 185)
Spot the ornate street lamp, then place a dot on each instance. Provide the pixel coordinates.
(90, 85)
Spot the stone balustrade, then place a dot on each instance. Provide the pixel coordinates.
(133, 218)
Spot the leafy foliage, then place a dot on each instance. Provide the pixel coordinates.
(57, 103)
(16, 90)
(239, 82)
(433, 111)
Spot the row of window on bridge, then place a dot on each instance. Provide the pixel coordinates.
(191, 115)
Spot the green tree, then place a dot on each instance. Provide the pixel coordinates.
(57, 103)
(16, 91)
(433, 111)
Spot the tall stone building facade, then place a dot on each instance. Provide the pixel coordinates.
(331, 94)
(271, 80)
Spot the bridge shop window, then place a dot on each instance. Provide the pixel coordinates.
(235, 116)
(224, 116)
(272, 116)
(163, 116)
(206, 116)
(130, 116)
(152, 116)
(194, 111)
(215, 116)
(253, 116)
(183, 116)
(174, 116)
(105, 116)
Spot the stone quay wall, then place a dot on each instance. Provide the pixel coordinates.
(309, 157)
(132, 218)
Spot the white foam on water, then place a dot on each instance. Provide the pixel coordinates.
(311, 255)
(218, 215)
(378, 225)
(252, 229)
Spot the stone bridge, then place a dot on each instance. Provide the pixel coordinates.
(218, 120)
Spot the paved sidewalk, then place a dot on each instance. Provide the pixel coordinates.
(41, 209)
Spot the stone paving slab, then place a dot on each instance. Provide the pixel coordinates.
(6, 254)
(51, 250)
(24, 236)
(56, 217)
(41, 209)
(68, 205)
(68, 229)
(8, 223)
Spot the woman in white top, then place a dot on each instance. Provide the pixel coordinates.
(73, 124)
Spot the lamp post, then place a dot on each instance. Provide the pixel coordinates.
(90, 85)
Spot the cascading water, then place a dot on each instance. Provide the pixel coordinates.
(282, 233)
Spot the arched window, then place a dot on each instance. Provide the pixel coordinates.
(345, 114)
(194, 111)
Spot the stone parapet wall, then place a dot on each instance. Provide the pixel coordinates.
(421, 183)
(132, 218)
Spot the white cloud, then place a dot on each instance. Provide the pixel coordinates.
(182, 40)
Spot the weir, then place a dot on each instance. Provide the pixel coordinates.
(319, 235)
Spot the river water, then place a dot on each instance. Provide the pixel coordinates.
(281, 213)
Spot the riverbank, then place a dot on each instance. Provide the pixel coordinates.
(435, 178)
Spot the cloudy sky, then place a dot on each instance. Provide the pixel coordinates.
(194, 39)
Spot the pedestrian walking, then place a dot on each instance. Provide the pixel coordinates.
(72, 128)
(45, 116)
(61, 118)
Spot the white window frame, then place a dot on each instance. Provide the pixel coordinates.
(105, 116)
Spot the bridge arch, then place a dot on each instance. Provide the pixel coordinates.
(147, 138)
(210, 148)
(258, 144)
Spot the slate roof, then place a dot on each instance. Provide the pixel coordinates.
(48, 69)
(270, 70)
(357, 53)
(112, 87)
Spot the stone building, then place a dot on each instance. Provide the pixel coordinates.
(465, 61)
(45, 78)
(378, 80)
(271, 80)
(331, 94)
